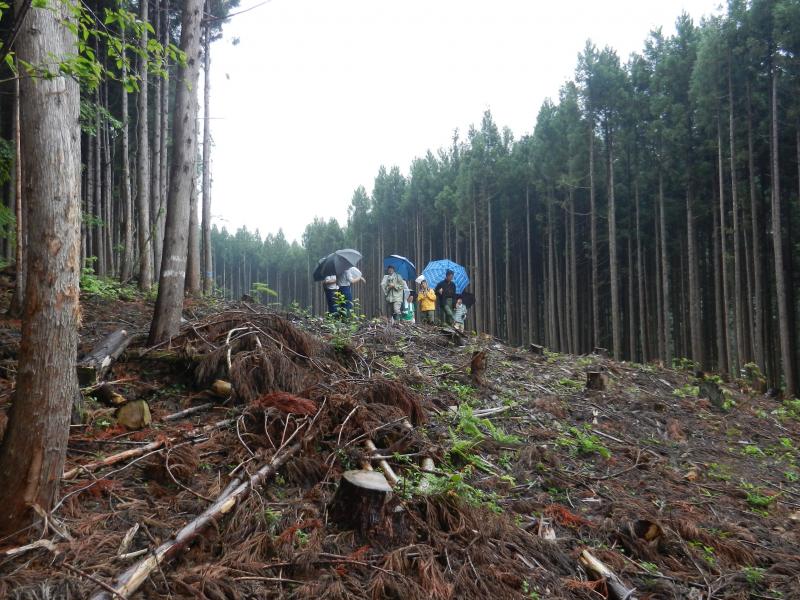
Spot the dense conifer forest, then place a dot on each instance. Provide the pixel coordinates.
(652, 210)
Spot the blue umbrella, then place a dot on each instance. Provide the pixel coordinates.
(435, 271)
(402, 266)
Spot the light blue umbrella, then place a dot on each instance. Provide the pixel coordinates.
(435, 271)
(402, 266)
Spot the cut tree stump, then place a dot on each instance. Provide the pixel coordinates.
(596, 380)
(360, 500)
(711, 390)
(536, 349)
(97, 363)
(600, 352)
(134, 415)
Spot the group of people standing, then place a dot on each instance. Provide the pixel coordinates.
(400, 300)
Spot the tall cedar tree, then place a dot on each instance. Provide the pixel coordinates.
(34, 448)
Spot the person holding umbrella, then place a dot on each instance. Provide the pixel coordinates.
(392, 286)
(446, 291)
(344, 280)
(330, 269)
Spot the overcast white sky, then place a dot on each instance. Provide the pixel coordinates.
(318, 94)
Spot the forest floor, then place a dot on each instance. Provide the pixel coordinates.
(679, 496)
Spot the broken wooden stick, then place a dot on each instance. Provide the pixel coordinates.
(187, 412)
(616, 589)
(141, 450)
(391, 476)
(96, 364)
(130, 580)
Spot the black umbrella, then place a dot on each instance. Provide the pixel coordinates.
(468, 299)
(336, 263)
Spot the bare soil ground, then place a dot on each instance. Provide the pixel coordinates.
(680, 496)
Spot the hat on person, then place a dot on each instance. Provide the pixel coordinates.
(420, 279)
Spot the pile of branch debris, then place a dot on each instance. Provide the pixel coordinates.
(406, 463)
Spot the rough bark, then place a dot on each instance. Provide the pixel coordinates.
(18, 299)
(35, 444)
(593, 236)
(143, 165)
(730, 344)
(616, 335)
(127, 200)
(722, 349)
(695, 319)
(665, 274)
(785, 332)
(738, 315)
(155, 162)
(641, 276)
(169, 303)
(193, 256)
(208, 271)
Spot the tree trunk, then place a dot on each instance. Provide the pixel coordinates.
(785, 332)
(508, 287)
(155, 155)
(161, 216)
(758, 291)
(695, 318)
(665, 274)
(18, 300)
(730, 344)
(616, 337)
(169, 304)
(531, 308)
(737, 250)
(127, 201)
(193, 262)
(593, 235)
(722, 350)
(96, 234)
(33, 450)
(143, 164)
(108, 195)
(660, 352)
(641, 276)
(573, 275)
(208, 274)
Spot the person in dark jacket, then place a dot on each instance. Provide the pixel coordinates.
(446, 291)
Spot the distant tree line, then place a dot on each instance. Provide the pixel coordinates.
(653, 210)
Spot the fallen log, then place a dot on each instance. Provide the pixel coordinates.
(141, 450)
(96, 364)
(616, 589)
(129, 581)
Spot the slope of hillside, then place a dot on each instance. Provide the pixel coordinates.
(510, 478)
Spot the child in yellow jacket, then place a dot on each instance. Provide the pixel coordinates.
(427, 303)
